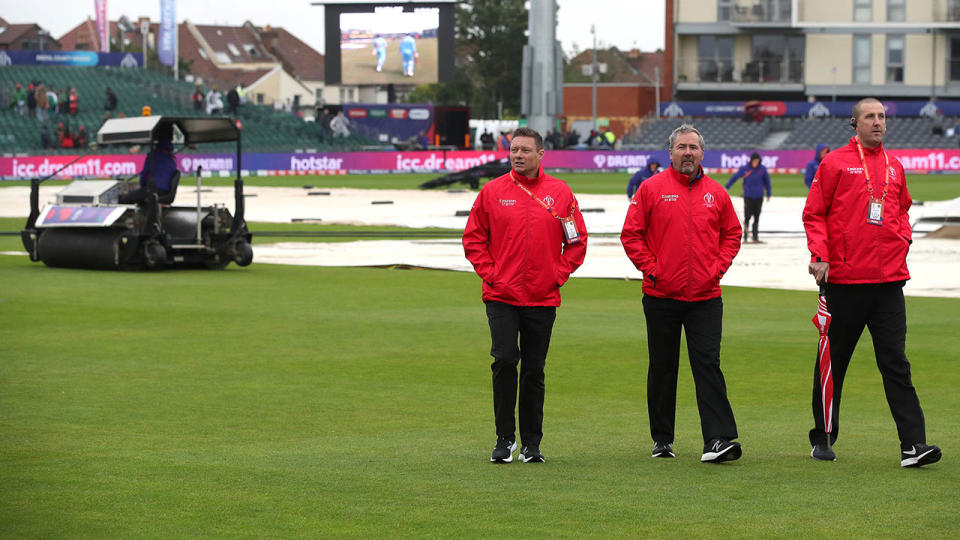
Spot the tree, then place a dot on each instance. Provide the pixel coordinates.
(490, 39)
(490, 35)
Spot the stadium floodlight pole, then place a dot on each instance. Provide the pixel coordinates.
(933, 68)
(144, 31)
(176, 51)
(656, 77)
(833, 70)
(593, 71)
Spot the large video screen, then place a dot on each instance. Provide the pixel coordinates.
(383, 43)
(389, 46)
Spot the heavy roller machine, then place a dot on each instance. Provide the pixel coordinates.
(88, 227)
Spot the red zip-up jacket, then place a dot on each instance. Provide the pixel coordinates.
(835, 218)
(517, 247)
(682, 234)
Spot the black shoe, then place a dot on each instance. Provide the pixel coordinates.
(503, 451)
(822, 452)
(662, 450)
(720, 450)
(920, 454)
(531, 454)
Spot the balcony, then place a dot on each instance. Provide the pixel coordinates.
(727, 72)
(946, 11)
(761, 13)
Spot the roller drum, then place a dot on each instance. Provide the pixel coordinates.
(84, 248)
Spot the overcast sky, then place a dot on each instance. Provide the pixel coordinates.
(624, 23)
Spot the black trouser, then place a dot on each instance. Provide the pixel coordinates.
(879, 307)
(751, 208)
(533, 325)
(702, 323)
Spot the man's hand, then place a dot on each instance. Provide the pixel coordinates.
(819, 271)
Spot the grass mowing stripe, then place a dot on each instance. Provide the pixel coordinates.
(930, 187)
(280, 401)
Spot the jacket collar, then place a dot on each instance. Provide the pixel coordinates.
(867, 151)
(527, 180)
(684, 179)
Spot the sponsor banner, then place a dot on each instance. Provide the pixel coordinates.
(721, 161)
(396, 122)
(103, 24)
(342, 161)
(70, 58)
(166, 41)
(803, 108)
(78, 216)
(93, 166)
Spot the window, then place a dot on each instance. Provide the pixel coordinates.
(775, 58)
(203, 54)
(251, 49)
(222, 57)
(723, 9)
(233, 49)
(862, 10)
(861, 59)
(796, 45)
(896, 10)
(953, 10)
(895, 58)
(954, 59)
(715, 58)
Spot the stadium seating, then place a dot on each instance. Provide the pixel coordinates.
(718, 133)
(264, 129)
(804, 133)
(902, 132)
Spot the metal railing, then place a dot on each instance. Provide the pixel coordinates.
(946, 11)
(760, 12)
(752, 71)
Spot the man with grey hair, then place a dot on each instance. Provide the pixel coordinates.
(682, 232)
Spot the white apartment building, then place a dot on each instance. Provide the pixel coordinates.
(797, 49)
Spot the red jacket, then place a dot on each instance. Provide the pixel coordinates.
(835, 218)
(683, 236)
(517, 247)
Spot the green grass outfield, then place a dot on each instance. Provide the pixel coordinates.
(281, 401)
(930, 187)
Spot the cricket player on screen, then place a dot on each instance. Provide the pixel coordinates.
(380, 51)
(408, 54)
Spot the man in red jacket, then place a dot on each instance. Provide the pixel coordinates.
(524, 237)
(682, 232)
(858, 233)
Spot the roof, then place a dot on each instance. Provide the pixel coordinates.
(14, 32)
(234, 44)
(298, 58)
(622, 67)
(88, 29)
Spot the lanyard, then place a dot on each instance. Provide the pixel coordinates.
(866, 173)
(534, 197)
